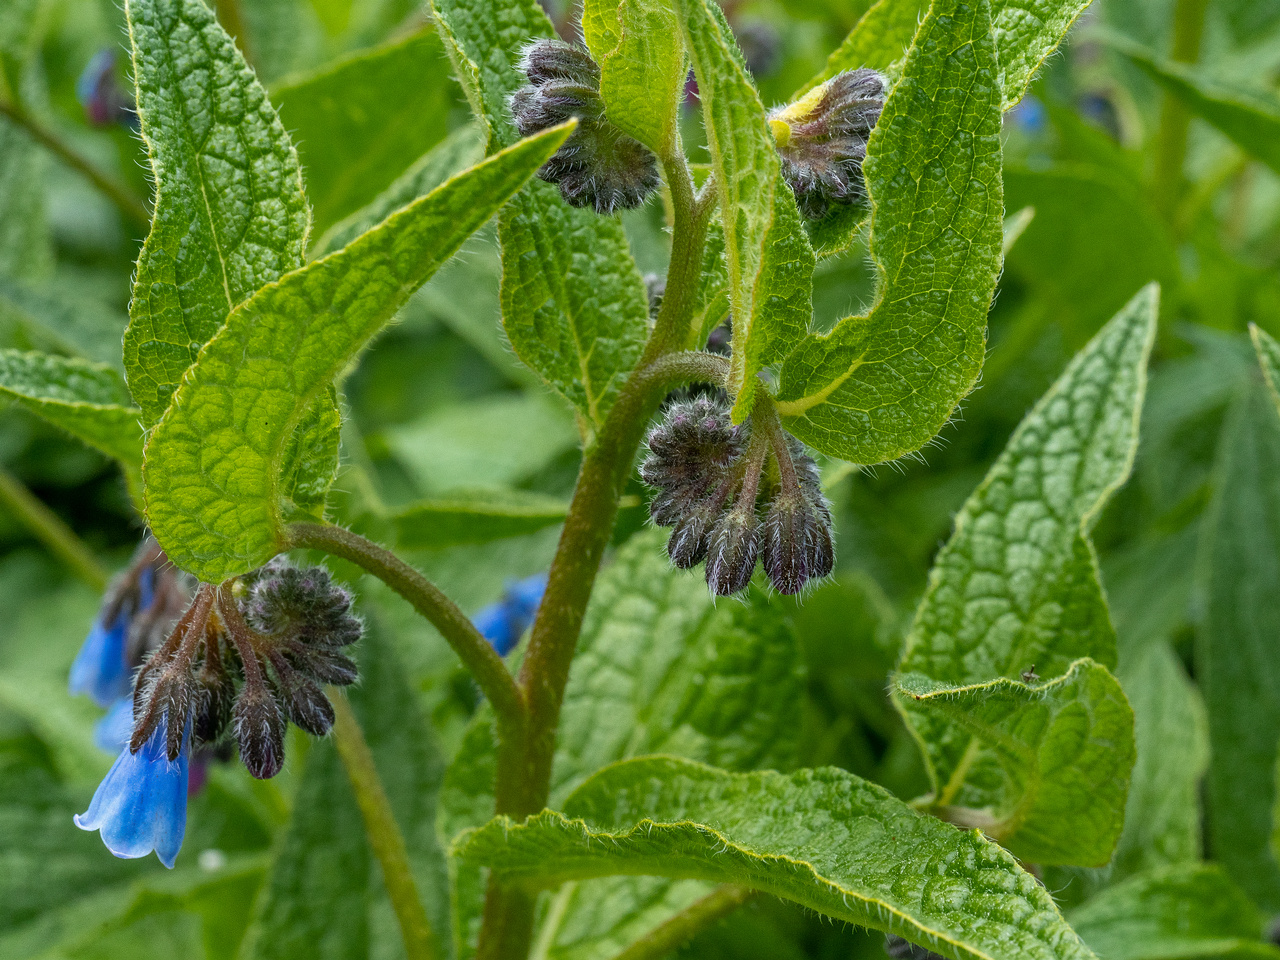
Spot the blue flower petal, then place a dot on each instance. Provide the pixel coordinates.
(494, 624)
(100, 669)
(113, 731)
(141, 804)
(523, 597)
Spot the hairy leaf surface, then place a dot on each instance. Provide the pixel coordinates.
(822, 838)
(88, 400)
(879, 386)
(770, 261)
(230, 213)
(213, 470)
(1016, 588)
(1063, 751)
(573, 303)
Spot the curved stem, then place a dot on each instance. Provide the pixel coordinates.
(1175, 118)
(683, 926)
(48, 528)
(125, 200)
(476, 653)
(380, 826)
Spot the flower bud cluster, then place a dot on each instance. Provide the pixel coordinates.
(248, 659)
(822, 139)
(599, 166)
(708, 474)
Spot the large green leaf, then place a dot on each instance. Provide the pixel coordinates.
(214, 464)
(360, 123)
(770, 262)
(878, 40)
(659, 668)
(1237, 659)
(230, 213)
(882, 385)
(1064, 750)
(1251, 119)
(323, 894)
(642, 66)
(1016, 589)
(573, 303)
(822, 838)
(86, 399)
(1178, 913)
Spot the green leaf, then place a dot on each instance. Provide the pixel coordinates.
(26, 247)
(659, 668)
(1251, 120)
(88, 400)
(878, 40)
(573, 303)
(1016, 589)
(1094, 240)
(1025, 33)
(770, 261)
(461, 149)
(230, 213)
(642, 67)
(324, 891)
(1063, 751)
(1162, 820)
(214, 473)
(64, 322)
(1268, 351)
(1191, 911)
(1237, 660)
(822, 838)
(360, 123)
(475, 516)
(882, 385)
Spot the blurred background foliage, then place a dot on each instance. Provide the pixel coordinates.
(1137, 168)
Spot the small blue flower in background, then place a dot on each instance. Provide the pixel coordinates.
(101, 669)
(504, 623)
(1029, 115)
(101, 95)
(141, 804)
(113, 731)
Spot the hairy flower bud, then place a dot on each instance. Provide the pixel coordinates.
(599, 166)
(690, 455)
(302, 603)
(691, 536)
(259, 726)
(733, 549)
(306, 704)
(797, 545)
(822, 139)
(169, 698)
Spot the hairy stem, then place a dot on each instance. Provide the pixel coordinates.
(476, 653)
(384, 833)
(1175, 118)
(126, 201)
(522, 789)
(48, 528)
(679, 929)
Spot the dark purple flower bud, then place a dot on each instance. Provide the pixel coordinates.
(326, 666)
(691, 536)
(599, 166)
(303, 604)
(259, 726)
(691, 456)
(734, 546)
(169, 694)
(305, 703)
(215, 695)
(785, 551)
(822, 139)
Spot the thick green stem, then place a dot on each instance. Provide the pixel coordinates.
(476, 653)
(1175, 118)
(384, 833)
(124, 198)
(49, 529)
(682, 927)
(508, 915)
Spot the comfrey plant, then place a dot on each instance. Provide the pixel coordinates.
(631, 768)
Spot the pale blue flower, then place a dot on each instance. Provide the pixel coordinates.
(141, 804)
(113, 731)
(101, 669)
(504, 623)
